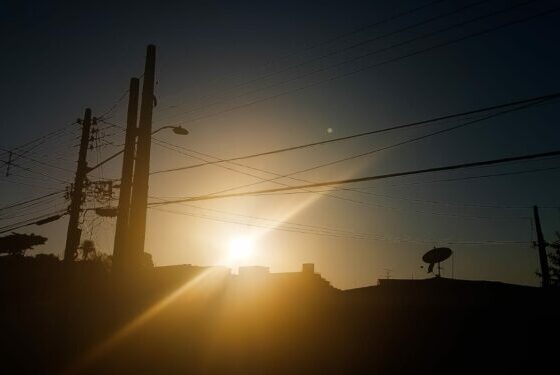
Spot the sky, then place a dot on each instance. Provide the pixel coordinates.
(247, 77)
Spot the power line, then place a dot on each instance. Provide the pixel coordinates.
(35, 161)
(51, 152)
(367, 26)
(325, 42)
(343, 198)
(368, 178)
(40, 185)
(339, 51)
(167, 145)
(542, 98)
(490, 242)
(332, 232)
(278, 225)
(477, 177)
(48, 206)
(477, 205)
(30, 200)
(343, 189)
(50, 135)
(34, 221)
(327, 193)
(44, 137)
(384, 148)
(40, 173)
(285, 229)
(115, 105)
(359, 70)
(262, 179)
(361, 202)
(395, 45)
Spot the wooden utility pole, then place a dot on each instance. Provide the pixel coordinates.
(542, 249)
(74, 232)
(8, 164)
(121, 250)
(139, 199)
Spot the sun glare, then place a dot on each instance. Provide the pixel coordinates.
(241, 248)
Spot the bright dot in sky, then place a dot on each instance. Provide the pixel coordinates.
(241, 248)
(329, 130)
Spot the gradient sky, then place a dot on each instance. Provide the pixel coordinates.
(61, 58)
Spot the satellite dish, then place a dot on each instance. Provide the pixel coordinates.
(436, 255)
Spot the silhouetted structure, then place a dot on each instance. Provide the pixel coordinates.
(554, 259)
(541, 244)
(180, 319)
(74, 232)
(139, 197)
(258, 277)
(121, 248)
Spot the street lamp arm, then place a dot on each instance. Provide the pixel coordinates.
(160, 129)
(176, 129)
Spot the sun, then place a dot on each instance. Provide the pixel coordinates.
(241, 248)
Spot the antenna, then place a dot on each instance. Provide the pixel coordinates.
(387, 273)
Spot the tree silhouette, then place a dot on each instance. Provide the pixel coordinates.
(47, 258)
(91, 256)
(554, 259)
(17, 243)
(88, 250)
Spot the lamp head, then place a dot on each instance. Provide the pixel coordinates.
(180, 130)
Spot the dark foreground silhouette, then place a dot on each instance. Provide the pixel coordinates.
(188, 319)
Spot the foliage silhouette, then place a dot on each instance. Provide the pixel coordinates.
(88, 249)
(47, 258)
(18, 244)
(92, 257)
(554, 259)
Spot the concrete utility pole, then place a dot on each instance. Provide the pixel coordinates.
(121, 250)
(542, 249)
(74, 232)
(139, 199)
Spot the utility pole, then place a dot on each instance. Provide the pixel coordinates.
(74, 232)
(8, 164)
(121, 247)
(542, 249)
(139, 199)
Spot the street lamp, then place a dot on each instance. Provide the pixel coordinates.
(176, 129)
(179, 130)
